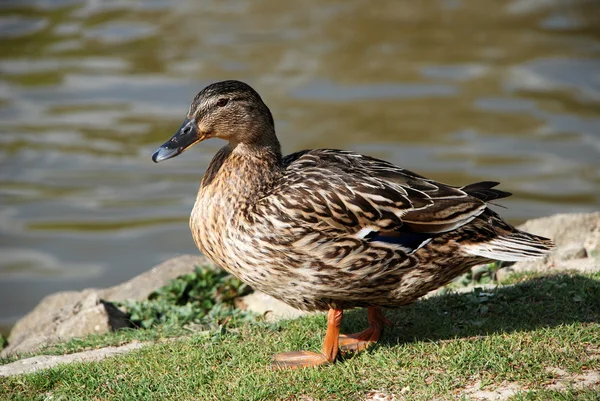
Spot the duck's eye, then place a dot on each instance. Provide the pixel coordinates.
(222, 101)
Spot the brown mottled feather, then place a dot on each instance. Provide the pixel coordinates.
(327, 228)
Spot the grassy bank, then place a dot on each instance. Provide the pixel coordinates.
(531, 337)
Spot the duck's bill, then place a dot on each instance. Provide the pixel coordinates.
(186, 136)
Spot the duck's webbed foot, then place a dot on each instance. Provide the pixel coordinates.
(301, 359)
(362, 340)
(298, 359)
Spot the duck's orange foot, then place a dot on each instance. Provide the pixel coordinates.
(358, 341)
(298, 359)
(305, 359)
(362, 340)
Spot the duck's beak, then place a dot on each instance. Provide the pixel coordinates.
(183, 139)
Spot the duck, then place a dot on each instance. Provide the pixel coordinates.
(331, 230)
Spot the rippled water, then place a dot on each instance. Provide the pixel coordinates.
(457, 90)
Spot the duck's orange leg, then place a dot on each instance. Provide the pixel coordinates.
(361, 340)
(300, 359)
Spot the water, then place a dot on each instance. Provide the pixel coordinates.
(456, 90)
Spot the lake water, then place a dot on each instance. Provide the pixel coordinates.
(456, 90)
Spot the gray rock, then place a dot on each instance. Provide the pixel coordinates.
(567, 230)
(574, 251)
(40, 322)
(91, 316)
(272, 308)
(65, 315)
(577, 239)
(503, 273)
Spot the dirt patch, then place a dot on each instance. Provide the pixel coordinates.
(565, 379)
(377, 395)
(500, 393)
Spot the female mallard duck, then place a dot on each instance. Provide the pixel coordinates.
(328, 229)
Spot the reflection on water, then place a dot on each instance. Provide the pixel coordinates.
(463, 91)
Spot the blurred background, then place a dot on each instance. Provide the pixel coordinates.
(457, 90)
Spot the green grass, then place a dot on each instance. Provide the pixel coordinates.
(438, 347)
(547, 395)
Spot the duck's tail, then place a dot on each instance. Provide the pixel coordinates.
(485, 191)
(513, 247)
(507, 243)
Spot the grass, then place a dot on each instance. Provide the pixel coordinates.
(546, 395)
(439, 347)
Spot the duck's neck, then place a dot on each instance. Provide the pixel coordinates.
(244, 171)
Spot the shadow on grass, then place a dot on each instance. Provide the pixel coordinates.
(537, 303)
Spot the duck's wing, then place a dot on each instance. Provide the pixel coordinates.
(368, 196)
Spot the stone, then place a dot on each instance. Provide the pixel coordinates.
(577, 240)
(503, 273)
(568, 229)
(574, 251)
(91, 316)
(592, 242)
(271, 308)
(39, 322)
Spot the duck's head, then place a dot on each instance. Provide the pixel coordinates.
(230, 110)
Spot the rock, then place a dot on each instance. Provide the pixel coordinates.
(87, 316)
(65, 315)
(574, 251)
(566, 230)
(272, 308)
(503, 273)
(577, 240)
(39, 322)
(592, 242)
(92, 316)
